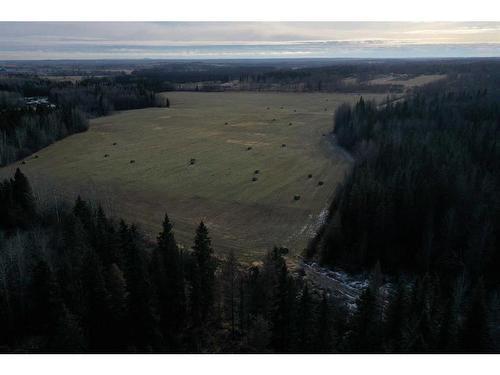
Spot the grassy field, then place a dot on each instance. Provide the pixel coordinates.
(407, 82)
(231, 136)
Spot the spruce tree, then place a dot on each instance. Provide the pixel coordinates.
(323, 328)
(141, 318)
(23, 210)
(46, 304)
(168, 270)
(203, 278)
(282, 330)
(365, 324)
(305, 322)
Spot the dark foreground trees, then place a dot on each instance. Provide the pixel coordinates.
(73, 280)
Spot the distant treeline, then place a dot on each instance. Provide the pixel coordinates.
(26, 129)
(74, 280)
(340, 76)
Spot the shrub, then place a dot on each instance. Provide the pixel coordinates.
(296, 197)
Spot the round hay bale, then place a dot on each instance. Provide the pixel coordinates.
(320, 183)
(296, 197)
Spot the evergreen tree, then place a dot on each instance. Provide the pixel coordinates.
(23, 208)
(282, 330)
(203, 278)
(323, 328)
(168, 270)
(305, 322)
(395, 322)
(118, 297)
(141, 318)
(97, 314)
(45, 299)
(365, 324)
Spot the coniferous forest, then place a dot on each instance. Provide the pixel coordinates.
(75, 280)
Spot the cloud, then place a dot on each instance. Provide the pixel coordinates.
(94, 40)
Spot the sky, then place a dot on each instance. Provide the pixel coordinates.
(218, 40)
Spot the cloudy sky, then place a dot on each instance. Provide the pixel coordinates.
(202, 40)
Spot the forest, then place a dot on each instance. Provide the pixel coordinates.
(24, 128)
(421, 201)
(75, 280)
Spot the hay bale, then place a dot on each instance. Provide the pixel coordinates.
(106, 155)
(254, 179)
(283, 145)
(296, 197)
(192, 161)
(309, 176)
(132, 161)
(320, 183)
(114, 143)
